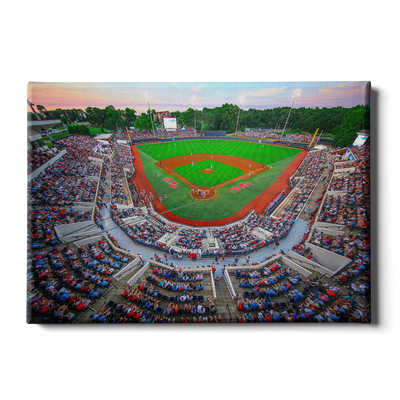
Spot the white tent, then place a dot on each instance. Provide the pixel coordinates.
(320, 147)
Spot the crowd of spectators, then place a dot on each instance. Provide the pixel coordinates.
(81, 147)
(142, 309)
(354, 247)
(358, 249)
(63, 281)
(327, 305)
(37, 158)
(352, 207)
(42, 220)
(63, 183)
(294, 137)
(191, 239)
(158, 134)
(53, 194)
(175, 280)
(144, 233)
(68, 179)
(314, 302)
(146, 303)
(150, 300)
(121, 163)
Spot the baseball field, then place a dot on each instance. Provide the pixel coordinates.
(212, 182)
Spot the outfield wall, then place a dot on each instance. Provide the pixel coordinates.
(214, 133)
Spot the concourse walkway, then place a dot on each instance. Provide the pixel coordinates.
(125, 242)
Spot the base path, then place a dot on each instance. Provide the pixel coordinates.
(258, 204)
(242, 163)
(249, 167)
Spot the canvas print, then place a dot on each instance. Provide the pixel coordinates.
(199, 202)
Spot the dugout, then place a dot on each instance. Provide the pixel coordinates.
(215, 133)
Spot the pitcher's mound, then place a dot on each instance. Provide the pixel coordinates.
(207, 171)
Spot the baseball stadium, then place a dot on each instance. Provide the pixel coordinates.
(170, 223)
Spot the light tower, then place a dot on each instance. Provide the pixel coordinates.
(295, 95)
(151, 115)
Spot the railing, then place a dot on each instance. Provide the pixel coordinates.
(138, 274)
(229, 312)
(229, 284)
(308, 198)
(127, 186)
(128, 253)
(124, 271)
(213, 285)
(97, 192)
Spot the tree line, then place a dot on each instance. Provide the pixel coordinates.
(108, 117)
(342, 123)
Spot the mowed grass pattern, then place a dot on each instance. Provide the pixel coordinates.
(260, 152)
(222, 173)
(226, 203)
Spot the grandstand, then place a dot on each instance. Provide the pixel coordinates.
(37, 128)
(100, 250)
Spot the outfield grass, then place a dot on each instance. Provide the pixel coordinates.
(226, 203)
(222, 172)
(60, 135)
(260, 152)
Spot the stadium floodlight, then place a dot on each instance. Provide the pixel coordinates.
(194, 99)
(295, 95)
(148, 94)
(237, 121)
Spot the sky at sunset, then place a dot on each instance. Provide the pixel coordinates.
(182, 95)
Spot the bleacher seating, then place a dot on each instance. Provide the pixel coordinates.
(65, 282)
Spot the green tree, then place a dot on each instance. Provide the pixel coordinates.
(143, 123)
(355, 120)
(176, 114)
(187, 118)
(207, 118)
(95, 115)
(111, 118)
(78, 129)
(130, 115)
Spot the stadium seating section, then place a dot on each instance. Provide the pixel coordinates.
(94, 280)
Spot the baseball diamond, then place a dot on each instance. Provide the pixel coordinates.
(228, 170)
(258, 172)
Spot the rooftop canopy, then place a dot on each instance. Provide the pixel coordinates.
(35, 128)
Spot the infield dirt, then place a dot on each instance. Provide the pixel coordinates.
(249, 167)
(242, 163)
